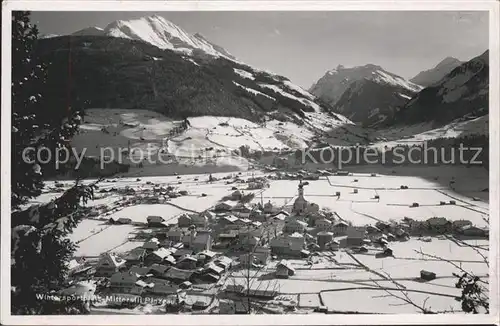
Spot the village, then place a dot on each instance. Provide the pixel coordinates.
(268, 242)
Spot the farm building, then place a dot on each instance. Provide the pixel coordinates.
(124, 220)
(460, 223)
(284, 269)
(473, 231)
(223, 207)
(426, 275)
(155, 221)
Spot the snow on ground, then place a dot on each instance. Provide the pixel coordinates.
(299, 90)
(126, 247)
(378, 301)
(404, 96)
(106, 240)
(139, 213)
(253, 91)
(277, 89)
(420, 133)
(87, 228)
(244, 73)
(396, 80)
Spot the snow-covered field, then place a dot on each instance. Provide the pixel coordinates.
(207, 145)
(361, 208)
(104, 238)
(420, 133)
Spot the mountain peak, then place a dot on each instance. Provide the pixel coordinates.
(158, 31)
(433, 75)
(448, 61)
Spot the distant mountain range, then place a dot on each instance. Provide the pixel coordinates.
(373, 97)
(157, 31)
(367, 94)
(462, 92)
(150, 63)
(432, 76)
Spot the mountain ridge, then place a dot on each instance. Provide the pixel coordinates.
(160, 32)
(433, 75)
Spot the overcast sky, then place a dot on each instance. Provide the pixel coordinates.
(304, 45)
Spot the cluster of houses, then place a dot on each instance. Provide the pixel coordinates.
(202, 247)
(157, 269)
(432, 227)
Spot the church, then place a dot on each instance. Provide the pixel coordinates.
(301, 206)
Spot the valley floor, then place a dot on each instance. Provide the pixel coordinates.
(373, 285)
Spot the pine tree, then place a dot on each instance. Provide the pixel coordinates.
(40, 248)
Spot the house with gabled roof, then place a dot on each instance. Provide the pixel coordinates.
(178, 275)
(158, 256)
(202, 242)
(127, 282)
(155, 221)
(294, 225)
(223, 207)
(136, 256)
(109, 264)
(213, 268)
(224, 262)
(185, 220)
(284, 269)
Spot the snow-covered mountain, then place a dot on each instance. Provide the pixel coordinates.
(335, 82)
(367, 94)
(431, 76)
(462, 92)
(159, 32)
(120, 72)
(90, 31)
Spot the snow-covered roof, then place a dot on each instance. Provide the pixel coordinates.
(161, 253)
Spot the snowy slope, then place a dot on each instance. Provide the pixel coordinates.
(209, 141)
(90, 31)
(431, 76)
(463, 91)
(419, 133)
(160, 32)
(368, 94)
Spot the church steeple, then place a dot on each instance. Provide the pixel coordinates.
(301, 189)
